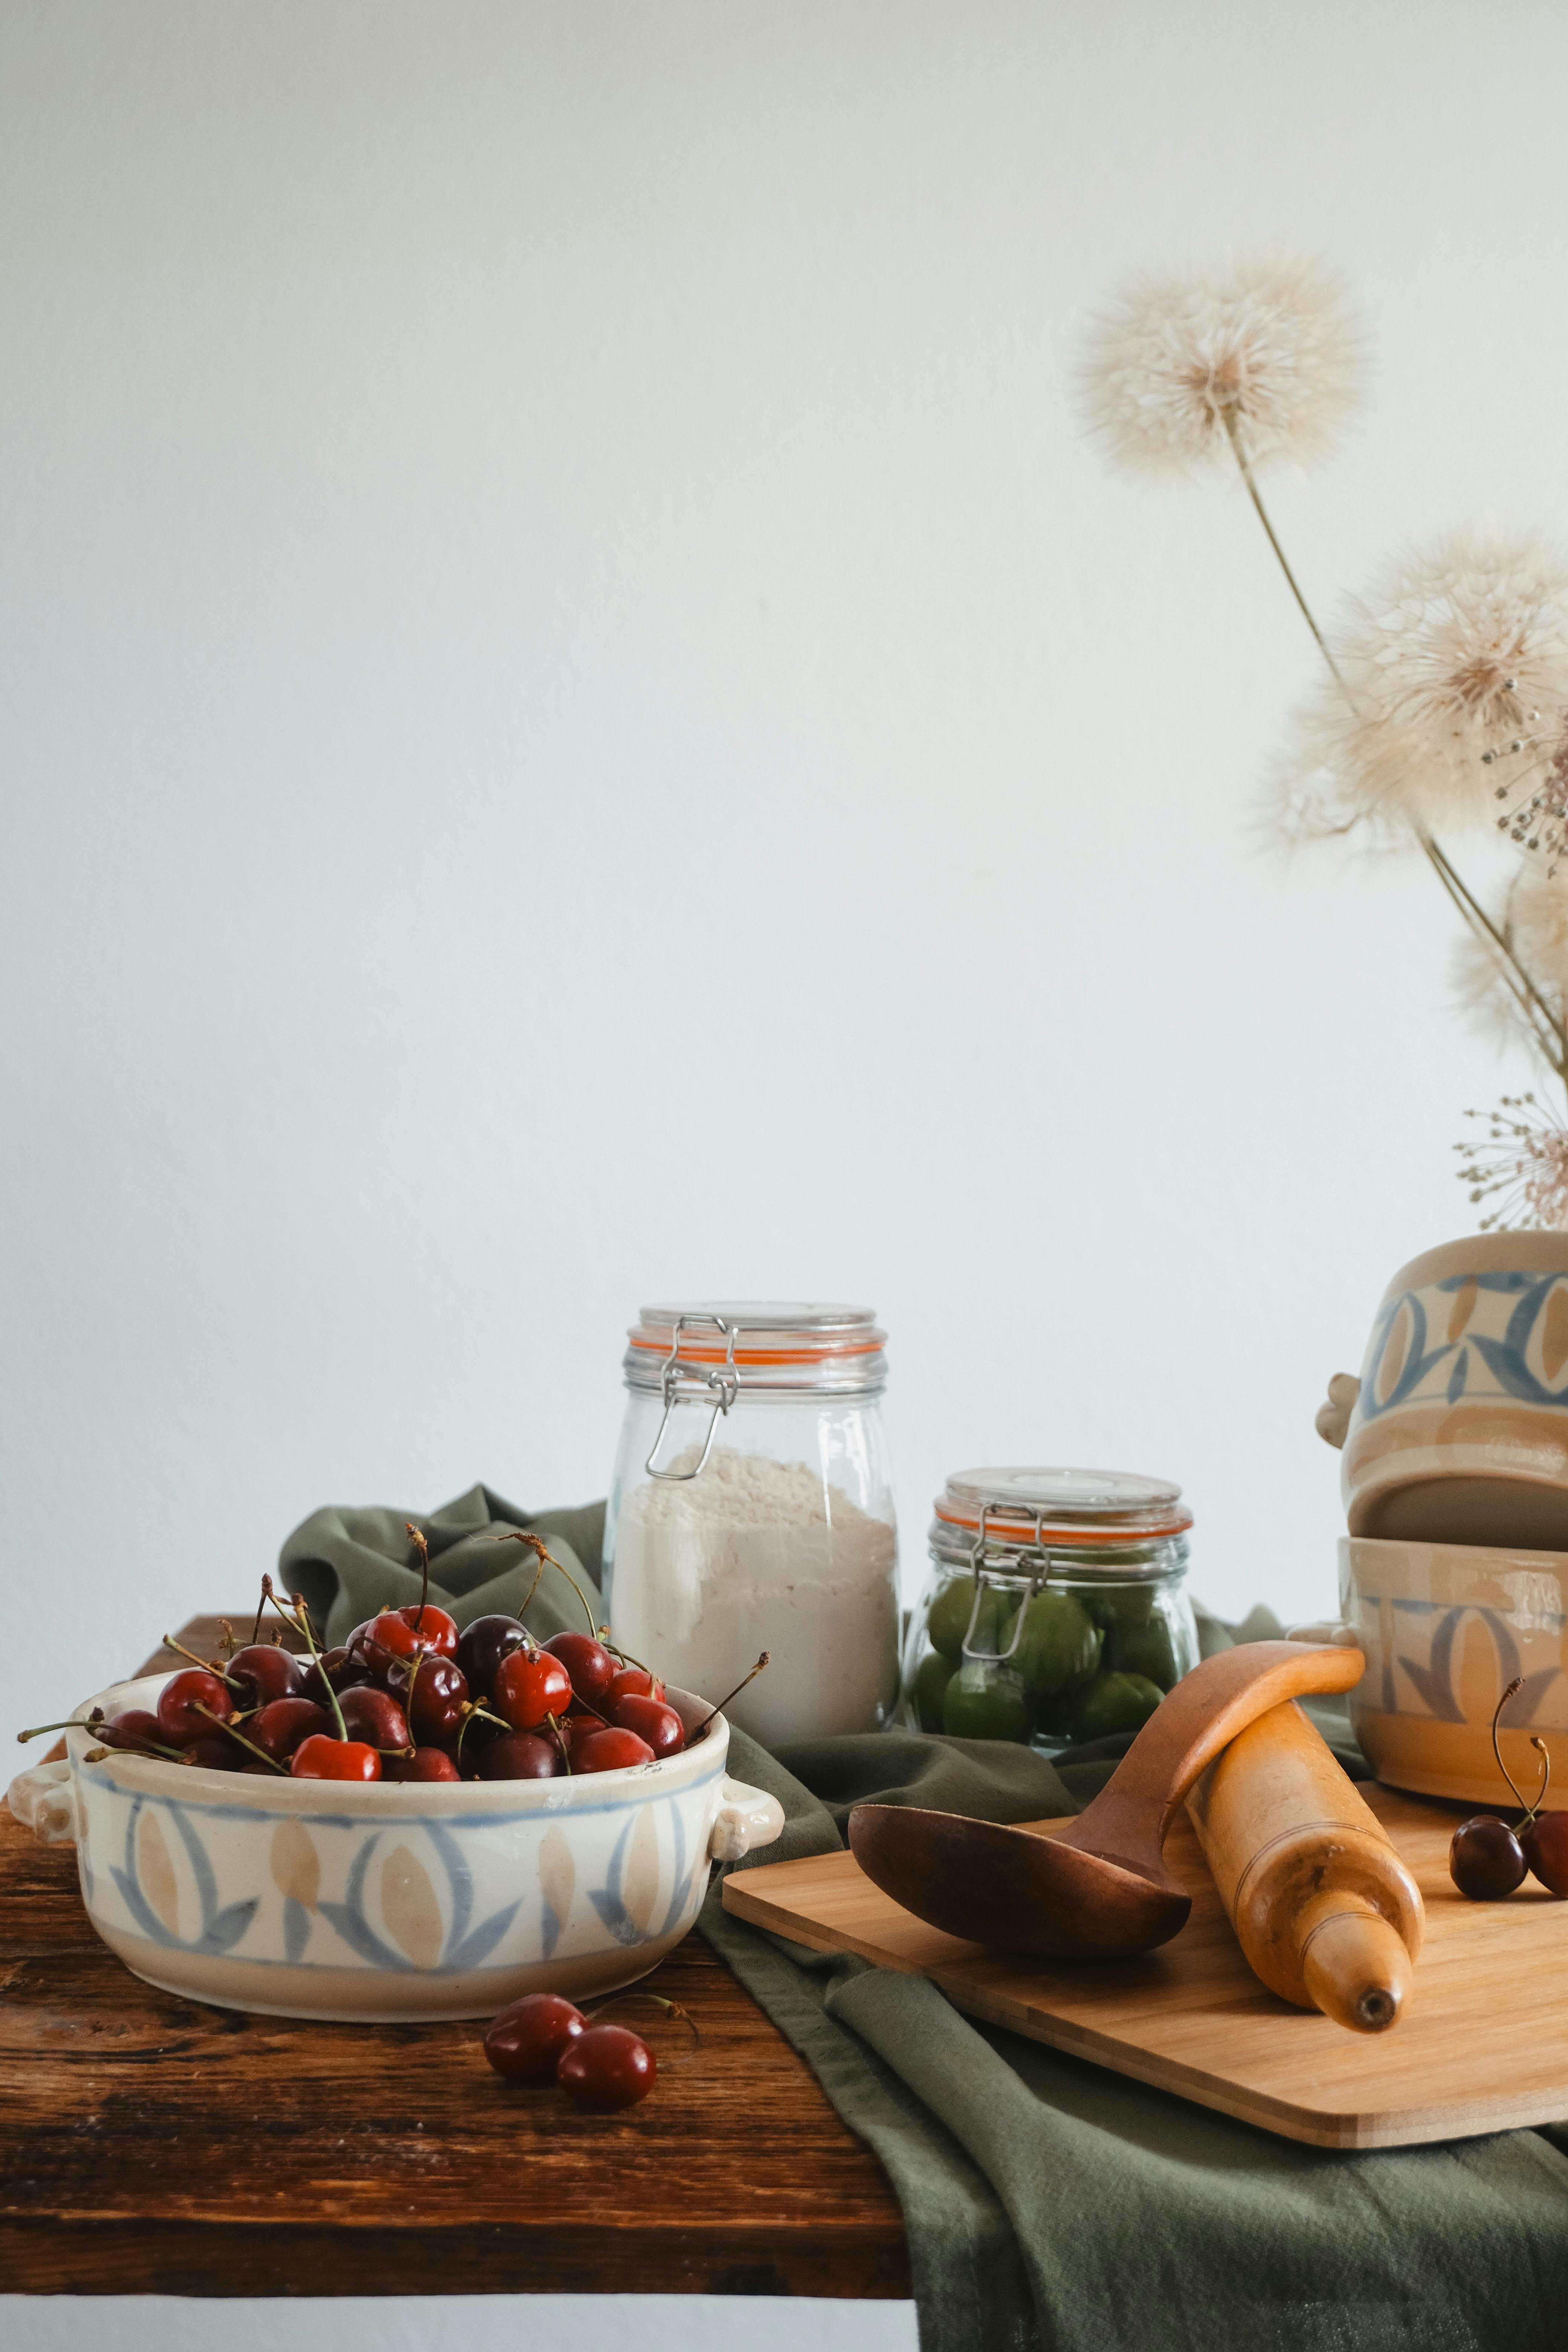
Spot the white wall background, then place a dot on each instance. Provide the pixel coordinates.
(580, 722)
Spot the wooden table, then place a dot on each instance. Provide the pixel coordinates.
(151, 2146)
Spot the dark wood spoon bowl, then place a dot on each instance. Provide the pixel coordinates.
(1097, 1888)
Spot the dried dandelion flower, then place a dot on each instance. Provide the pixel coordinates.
(1535, 928)
(1451, 706)
(1521, 1163)
(1262, 360)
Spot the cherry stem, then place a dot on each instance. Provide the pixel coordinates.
(757, 1669)
(423, 1548)
(243, 1741)
(71, 1723)
(206, 1664)
(225, 1639)
(298, 1617)
(536, 1543)
(1545, 1752)
(1517, 1684)
(260, 1608)
(671, 2008)
(560, 1742)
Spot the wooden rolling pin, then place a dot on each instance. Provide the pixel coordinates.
(1324, 1909)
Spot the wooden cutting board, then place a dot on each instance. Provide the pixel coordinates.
(1482, 2047)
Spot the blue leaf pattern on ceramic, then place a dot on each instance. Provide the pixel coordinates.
(606, 1899)
(483, 1940)
(680, 1891)
(296, 1928)
(1456, 1377)
(227, 1927)
(462, 1879)
(348, 1917)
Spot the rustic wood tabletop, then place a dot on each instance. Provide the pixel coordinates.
(149, 2145)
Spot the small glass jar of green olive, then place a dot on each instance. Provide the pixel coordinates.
(1056, 1610)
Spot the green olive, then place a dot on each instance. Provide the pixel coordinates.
(984, 1702)
(1111, 1704)
(1120, 1605)
(1059, 1643)
(950, 1615)
(1148, 1649)
(932, 1676)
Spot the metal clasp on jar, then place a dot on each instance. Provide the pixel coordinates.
(984, 1585)
(692, 1384)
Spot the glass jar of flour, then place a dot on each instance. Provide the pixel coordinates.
(752, 1509)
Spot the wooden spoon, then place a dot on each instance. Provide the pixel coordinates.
(1096, 1889)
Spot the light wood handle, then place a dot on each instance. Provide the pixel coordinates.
(1324, 1909)
(1204, 1712)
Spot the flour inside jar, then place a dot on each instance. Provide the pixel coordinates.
(751, 1555)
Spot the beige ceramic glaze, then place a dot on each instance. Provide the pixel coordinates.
(1445, 1628)
(398, 1901)
(1458, 1428)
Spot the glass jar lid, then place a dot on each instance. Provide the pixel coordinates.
(1082, 1511)
(757, 1344)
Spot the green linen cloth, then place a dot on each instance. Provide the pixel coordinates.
(350, 1563)
(1050, 2206)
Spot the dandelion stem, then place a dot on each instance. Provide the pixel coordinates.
(1548, 1033)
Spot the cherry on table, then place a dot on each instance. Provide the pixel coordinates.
(280, 1727)
(1545, 1841)
(612, 1750)
(607, 2067)
(653, 1720)
(526, 2041)
(520, 1756)
(375, 1717)
(264, 1671)
(529, 1686)
(589, 1663)
(323, 1759)
(187, 1704)
(1486, 1861)
(425, 1764)
(482, 1645)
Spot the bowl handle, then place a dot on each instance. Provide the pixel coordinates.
(746, 1817)
(44, 1801)
(1333, 1418)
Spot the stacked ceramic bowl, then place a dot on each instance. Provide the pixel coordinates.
(1454, 1574)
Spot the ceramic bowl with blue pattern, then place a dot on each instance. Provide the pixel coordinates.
(396, 1901)
(1457, 1432)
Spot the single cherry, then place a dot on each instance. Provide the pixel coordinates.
(375, 1716)
(525, 2041)
(520, 1756)
(280, 1726)
(136, 1726)
(1545, 1841)
(615, 1750)
(529, 1686)
(187, 1702)
(432, 1628)
(653, 1720)
(335, 1670)
(607, 2067)
(1485, 1859)
(436, 1696)
(588, 1662)
(425, 1764)
(631, 1682)
(264, 1671)
(482, 1645)
(321, 1758)
(213, 1753)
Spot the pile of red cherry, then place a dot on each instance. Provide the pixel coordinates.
(407, 1697)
